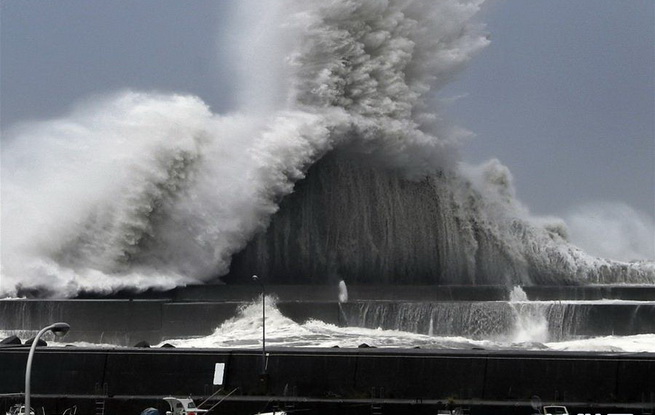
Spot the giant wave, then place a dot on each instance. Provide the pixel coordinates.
(144, 190)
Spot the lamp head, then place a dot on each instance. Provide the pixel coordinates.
(255, 278)
(60, 329)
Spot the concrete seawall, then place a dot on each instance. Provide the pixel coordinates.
(339, 373)
(324, 293)
(333, 374)
(127, 322)
(323, 381)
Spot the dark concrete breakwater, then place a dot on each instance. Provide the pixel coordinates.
(329, 380)
(128, 318)
(348, 381)
(127, 322)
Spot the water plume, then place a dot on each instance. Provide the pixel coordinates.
(343, 292)
(145, 190)
(612, 230)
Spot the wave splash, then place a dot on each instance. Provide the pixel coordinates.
(245, 331)
(144, 191)
(147, 190)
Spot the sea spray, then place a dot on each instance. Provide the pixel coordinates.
(343, 292)
(244, 331)
(343, 298)
(376, 227)
(517, 294)
(530, 322)
(146, 190)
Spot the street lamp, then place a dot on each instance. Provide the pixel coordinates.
(59, 330)
(261, 284)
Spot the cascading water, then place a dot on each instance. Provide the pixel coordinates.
(343, 298)
(515, 321)
(147, 190)
(490, 325)
(343, 292)
(530, 323)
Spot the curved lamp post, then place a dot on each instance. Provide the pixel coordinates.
(261, 284)
(60, 330)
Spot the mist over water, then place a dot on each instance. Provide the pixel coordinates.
(612, 230)
(147, 190)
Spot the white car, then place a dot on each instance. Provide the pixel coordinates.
(182, 406)
(19, 409)
(554, 410)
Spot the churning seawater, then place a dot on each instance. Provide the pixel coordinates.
(527, 331)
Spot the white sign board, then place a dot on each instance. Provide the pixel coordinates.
(219, 373)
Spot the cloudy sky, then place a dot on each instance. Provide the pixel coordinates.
(564, 96)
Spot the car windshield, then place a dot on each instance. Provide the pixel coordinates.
(556, 410)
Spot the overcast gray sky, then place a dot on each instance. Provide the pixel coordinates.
(564, 96)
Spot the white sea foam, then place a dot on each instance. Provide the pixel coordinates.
(144, 190)
(147, 190)
(245, 331)
(343, 292)
(517, 294)
(633, 344)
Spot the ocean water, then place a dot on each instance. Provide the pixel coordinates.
(517, 324)
(528, 331)
(139, 189)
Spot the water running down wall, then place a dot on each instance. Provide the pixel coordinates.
(356, 220)
(140, 190)
(514, 322)
(432, 325)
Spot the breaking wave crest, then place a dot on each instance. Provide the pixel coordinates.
(144, 190)
(150, 190)
(245, 331)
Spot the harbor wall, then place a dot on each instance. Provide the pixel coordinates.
(386, 373)
(338, 374)
(128, 322)
(369, 292)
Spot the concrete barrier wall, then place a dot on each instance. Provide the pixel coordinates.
(636, 379)
(593, 292)
(117, 322)
(420, 376)
(127, 322)
(323, 293)
(100, 321)
(616, 319)
(553, 378)
(338, 373)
